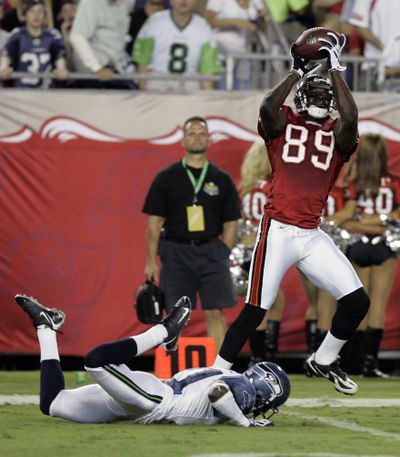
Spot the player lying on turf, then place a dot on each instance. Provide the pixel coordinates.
(194, 396)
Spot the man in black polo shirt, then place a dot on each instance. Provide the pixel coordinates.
(194, 206)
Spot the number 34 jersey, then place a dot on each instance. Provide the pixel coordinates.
(305, 165)
(167, 48)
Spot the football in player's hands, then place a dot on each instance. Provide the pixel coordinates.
(307, 45)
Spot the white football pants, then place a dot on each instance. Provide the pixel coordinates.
(119, 393)
(312, 251)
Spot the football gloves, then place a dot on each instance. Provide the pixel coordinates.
(334, 48)
(299, 65)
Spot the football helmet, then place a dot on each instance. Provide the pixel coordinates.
(272, 386)
(314, 95)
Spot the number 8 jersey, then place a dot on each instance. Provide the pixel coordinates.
(305, 165)
(166, 48)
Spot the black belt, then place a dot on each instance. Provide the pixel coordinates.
(193, 242)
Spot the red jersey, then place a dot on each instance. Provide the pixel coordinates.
(335, 201)
(253, 203)
(387, 200)
(305, 164)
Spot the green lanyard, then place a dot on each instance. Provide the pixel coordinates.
(196, 184)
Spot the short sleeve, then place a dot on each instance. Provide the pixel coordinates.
(231, 208)
(156, 200)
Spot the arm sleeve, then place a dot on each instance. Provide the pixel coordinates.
(83, 29)
(209, 59)
(144, 44)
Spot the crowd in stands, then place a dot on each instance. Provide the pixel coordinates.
(116, 42)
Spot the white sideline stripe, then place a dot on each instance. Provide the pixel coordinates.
(19, 399)
(344, 402)
(347, 425)
(300, 402)
(291, 454)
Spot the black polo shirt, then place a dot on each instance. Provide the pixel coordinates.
(172, 191)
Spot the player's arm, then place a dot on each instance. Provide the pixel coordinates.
(10, 56)
(272, 119)
(6, 68)
(345, 130)
(224, 403)
(154, 227)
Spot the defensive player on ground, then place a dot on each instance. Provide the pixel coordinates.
(195, 396)
(306, 149)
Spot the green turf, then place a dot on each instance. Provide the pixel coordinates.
(24, 431)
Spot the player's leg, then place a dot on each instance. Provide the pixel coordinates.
(273, 255)
(330, 270)
(382, 277)
(85, 404)
(46, 321)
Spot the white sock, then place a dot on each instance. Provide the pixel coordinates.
(329, 349)
(48, 343)
(151, 338)
(222, 363)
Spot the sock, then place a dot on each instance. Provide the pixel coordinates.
(48, 343)
(51, 383)
(149, 339)
(329, 349)
(271, 339)
(257, 344)
(311, 335)
(222, 363)
(51, 375)
(372, 341)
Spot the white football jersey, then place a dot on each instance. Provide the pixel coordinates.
(165, 48)
(187, 401)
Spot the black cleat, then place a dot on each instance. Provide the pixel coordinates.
(333, 373)
(370, 368)
(39, 314)
(176, 319)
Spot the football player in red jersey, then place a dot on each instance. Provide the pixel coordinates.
(375, 195)
(307, 149)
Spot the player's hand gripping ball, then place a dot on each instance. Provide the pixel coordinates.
(307, 44)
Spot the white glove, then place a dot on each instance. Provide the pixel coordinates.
(299, 65)
(334, 49)
(260, 423)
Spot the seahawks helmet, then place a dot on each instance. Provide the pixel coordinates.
(314, 95)
(272, 386)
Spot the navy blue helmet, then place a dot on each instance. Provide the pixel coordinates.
(272, 386)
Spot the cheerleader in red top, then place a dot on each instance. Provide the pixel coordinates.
(254, 187)
(375, 195)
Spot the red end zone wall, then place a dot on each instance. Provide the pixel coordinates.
(74, 171)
